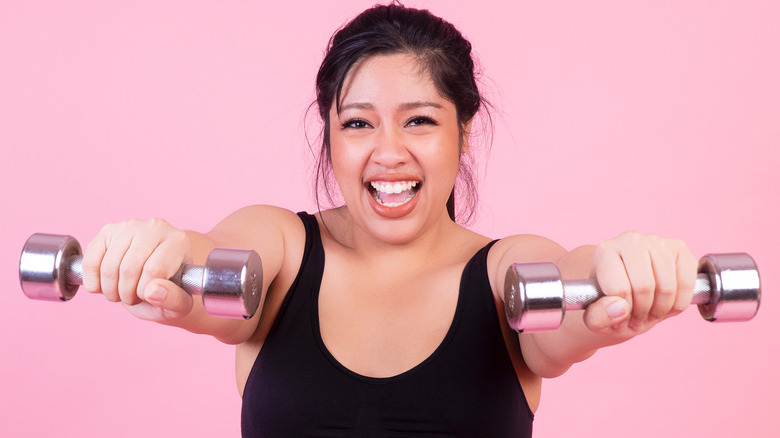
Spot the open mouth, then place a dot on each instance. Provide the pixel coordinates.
(393, 193)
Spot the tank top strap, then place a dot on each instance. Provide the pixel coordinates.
(475, 282)
(309, 274)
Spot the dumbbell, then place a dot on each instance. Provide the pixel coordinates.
(727, 288)
(230, 281)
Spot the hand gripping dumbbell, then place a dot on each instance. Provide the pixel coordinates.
(727, 288)
(230, 282)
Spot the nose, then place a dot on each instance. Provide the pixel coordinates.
(390, 149)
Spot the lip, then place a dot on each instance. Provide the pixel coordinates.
(391, 177)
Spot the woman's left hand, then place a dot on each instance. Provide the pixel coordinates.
(646, 279)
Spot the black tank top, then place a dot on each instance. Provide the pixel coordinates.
(466, 388)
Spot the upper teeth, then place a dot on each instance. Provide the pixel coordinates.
(397, 187)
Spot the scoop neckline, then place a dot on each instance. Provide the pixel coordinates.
(456, 318)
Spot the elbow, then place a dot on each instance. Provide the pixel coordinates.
(550, 363)
(230, 340)
(549, 370)
(236, 332)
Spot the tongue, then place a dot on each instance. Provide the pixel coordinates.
(392, 198)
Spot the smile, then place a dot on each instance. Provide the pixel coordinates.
(393, 193)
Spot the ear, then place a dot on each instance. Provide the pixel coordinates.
(464, 141)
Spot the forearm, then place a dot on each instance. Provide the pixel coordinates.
(645, 279)
(227, 330)
(550, 354)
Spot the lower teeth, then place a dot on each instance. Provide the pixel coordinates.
(394, 204)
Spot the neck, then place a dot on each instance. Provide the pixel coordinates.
(434, 240)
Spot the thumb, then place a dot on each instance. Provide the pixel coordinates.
(605, 315)
(174, 301)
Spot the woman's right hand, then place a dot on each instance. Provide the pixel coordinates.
(132, 262)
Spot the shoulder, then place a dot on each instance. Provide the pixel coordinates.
(276, 234)
(258, 222)
(520, 248)
(527, 248)
(251, 214)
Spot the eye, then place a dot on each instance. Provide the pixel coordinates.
(355, 123)
(421, 120)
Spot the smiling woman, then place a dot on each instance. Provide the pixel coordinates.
(384, 316)
(440, 54)
(392, 129)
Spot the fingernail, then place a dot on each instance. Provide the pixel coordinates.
(618, 309)
(157, 295)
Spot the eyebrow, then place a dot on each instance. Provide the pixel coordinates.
(406, 106)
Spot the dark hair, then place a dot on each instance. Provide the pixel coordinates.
(390, 29)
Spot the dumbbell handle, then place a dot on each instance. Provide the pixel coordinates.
(188, 277)
(579, 294)
(728, 288)
(230, 282)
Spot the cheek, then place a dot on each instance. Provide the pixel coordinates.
(347, 164)
(443, 159)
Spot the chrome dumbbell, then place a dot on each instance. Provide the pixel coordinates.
(230, 282)
(727, 288)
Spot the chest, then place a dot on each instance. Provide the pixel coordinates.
(382, 321)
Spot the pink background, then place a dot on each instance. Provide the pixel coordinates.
(659, 116)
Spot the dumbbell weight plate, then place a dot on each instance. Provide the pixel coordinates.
(534, 296)
(735, 285)
(44, 266)
(229, 291)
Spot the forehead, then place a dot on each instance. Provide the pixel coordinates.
(389, 79)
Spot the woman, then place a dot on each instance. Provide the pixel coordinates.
(384, 316)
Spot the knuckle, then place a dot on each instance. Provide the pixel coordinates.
(93, 245)
(124, 225)
(127, 291)
(665, 296)
(157, 222)
(133, 259)
(687, 283)
(129, 297)
(108, 273)
(128, 269)
(108, 284)
(89, 264)
(90, 285)
(678, 308)
(179, 235)
(156, 270)
(156, 225)
(618, 290)
(661, 309)
(663, 245)
(111, 293)
(666, 289)
(643, 288)
(632, 236)
(107, 228)
(124, 291)
(657, 315)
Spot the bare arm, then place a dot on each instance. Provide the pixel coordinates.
(132, 261)
(645, 278)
